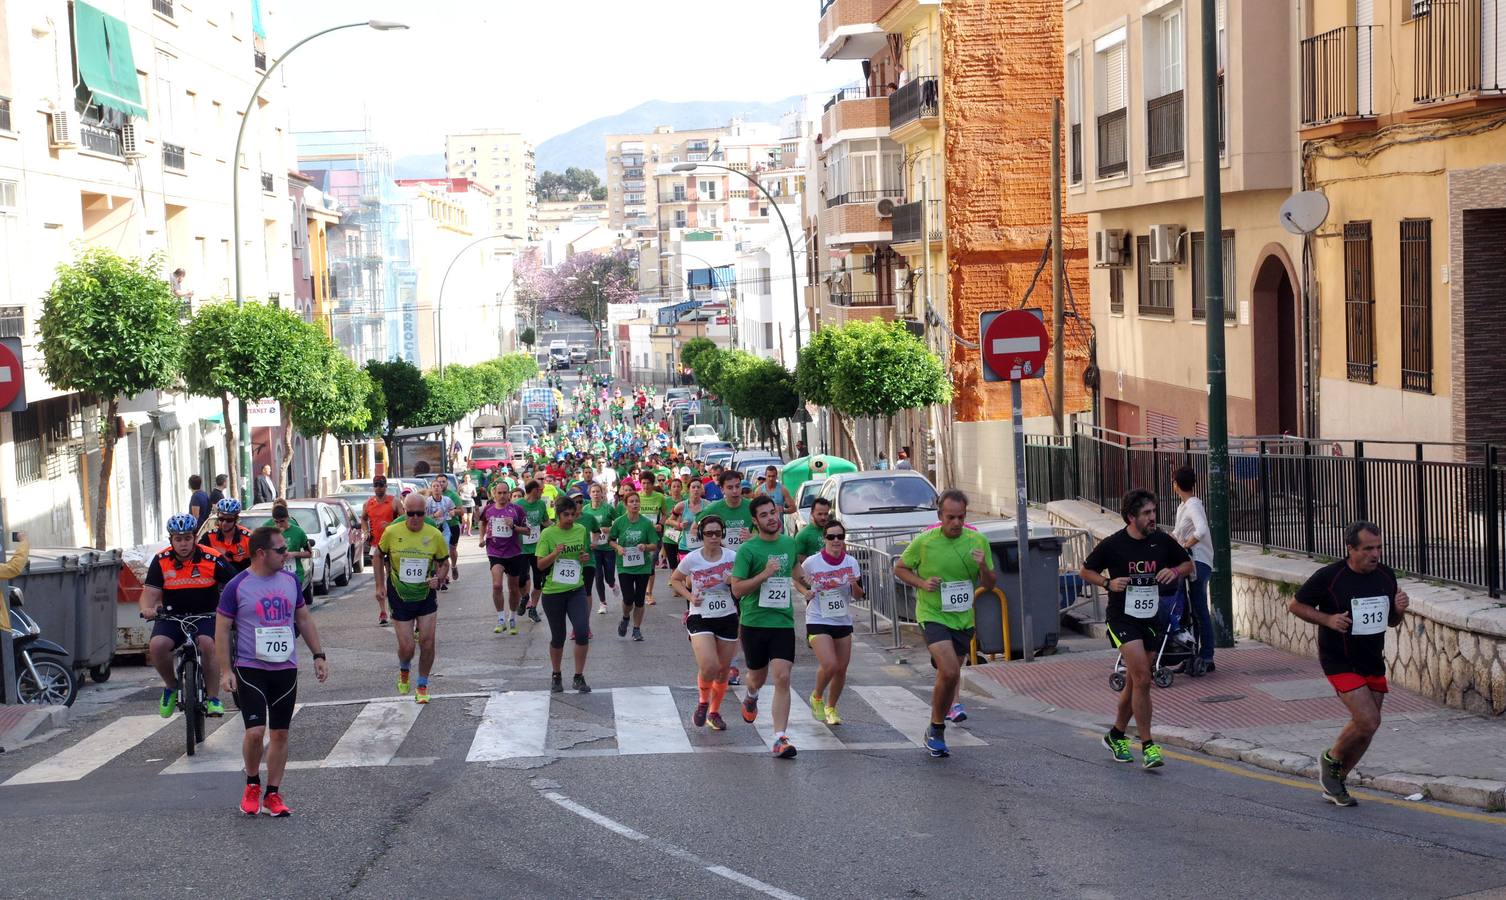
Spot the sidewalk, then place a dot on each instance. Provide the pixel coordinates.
(19, 723)
(1275, 710)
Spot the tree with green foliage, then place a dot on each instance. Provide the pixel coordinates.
(109, 327)
(815, 373)
(451, 396)
(343, 410)
(403, 393)
(761, 390)
(527, 338)
(693, 348)
(882, 369)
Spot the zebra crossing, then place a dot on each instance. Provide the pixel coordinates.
(509, 725)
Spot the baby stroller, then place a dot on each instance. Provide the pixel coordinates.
(1181, 648)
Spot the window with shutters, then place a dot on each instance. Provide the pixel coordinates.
(1157, 282)
(1417, 305)
(1111, 101)
(1165, 109)
(1116, 291)
(1074, 116)
(1359, 302)
(1197, 250)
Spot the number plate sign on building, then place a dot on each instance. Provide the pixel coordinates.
(12, 376)
(1014, 343)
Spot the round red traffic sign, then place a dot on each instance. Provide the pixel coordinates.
(12, 376)
(1015, 344)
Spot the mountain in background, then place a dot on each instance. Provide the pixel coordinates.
(425, 165)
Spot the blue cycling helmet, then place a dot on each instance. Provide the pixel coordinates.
(228, 507)
(182, 523)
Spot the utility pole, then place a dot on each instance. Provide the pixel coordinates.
(1058, 272)
(1221, 587)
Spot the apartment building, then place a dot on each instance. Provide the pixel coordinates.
(1135, 131)
(1402, 110)
(503, 162)
(117, 128)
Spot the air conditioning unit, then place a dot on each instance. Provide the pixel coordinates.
(131, 140)
(1165, 245)
(1111, 249)
(884, 207)
(62, 130)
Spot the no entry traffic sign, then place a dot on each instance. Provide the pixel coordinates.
(1014, 344)
(12, 376)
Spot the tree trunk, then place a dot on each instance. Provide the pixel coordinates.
(318, 466)
(287, 451)
(852, 439)
(106, 465)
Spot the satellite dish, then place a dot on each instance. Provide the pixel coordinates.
(1304, 212)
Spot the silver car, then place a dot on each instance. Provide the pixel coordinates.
(329, 536)
(884, 500)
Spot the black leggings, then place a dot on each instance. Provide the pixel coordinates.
(606, 572)
(576, 605)
(672, 555)
(634, 587)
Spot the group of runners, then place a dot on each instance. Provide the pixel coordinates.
(573, 524)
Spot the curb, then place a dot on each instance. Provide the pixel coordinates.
(1483, 794)
(36, 719)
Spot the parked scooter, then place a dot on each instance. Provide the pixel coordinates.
(43, 674)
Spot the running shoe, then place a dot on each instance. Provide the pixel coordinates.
(601, 610)
(956, 713)
(421, 695)
(715, 722)
(402, 681)
(382, 622)
(580, 684)
(637, 634)
(831, 716)
(818, 707)
(783, 749)
(445, 586)
(936, 743)
(1120, 747)
(533, 613)
(734, 676)
(214, 708)
(699, 717)
(168, 703)
(1330, 775)
(498, 629)
(649, 600)
(622, 628)
(750, 709)
(1152, 756)
(251, 799)
(512, 626)
(556, 684)
(274, 806)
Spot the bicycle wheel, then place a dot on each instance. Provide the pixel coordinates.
(188, 687)
(54, 684)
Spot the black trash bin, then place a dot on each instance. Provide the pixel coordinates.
(1042, 603)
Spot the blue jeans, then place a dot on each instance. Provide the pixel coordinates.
(1199, 601)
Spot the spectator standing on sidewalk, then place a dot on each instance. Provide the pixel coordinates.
(198, 500)
(218, 492)
(1192, 532)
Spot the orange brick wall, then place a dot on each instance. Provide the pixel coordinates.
(1002, 67)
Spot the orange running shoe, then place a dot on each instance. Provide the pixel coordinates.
(750, 709)
(275, 807)
(251, 799)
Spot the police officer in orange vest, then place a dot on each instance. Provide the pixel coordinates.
(231, 539)
(185, 580)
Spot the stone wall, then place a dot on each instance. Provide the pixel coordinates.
(1451, 646)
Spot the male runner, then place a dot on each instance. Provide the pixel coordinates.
(298, 548)
(770, 487)
(185, 580)
(537, 511)
(947, 566)
(1353, 602)
(231, 540)
(377, 514)
(762, 580)
(417, 557)
(266, 610)
(732, 510)
(810, 539)
(1144, 565)
(503, 524)
(653, 505)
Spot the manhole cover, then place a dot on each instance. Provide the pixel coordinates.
(1220, 698)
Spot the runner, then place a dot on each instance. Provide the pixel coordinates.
(598, 516)
(231, 540)
(377, 514)
(732, 510)
(266, 610)
(761, 579)
(503, 523)
(417, 557)
(1353, 602)
(770, 487)
(633, 537)
(946, 566)
(439, 509)
(537, 512)
(564, 551)
(653, 505)
(673, 530)
(1144, 565)
(702, 578)
(298, 548)
(685, 514)
(185, 580)
(812, 538)
(830, 581)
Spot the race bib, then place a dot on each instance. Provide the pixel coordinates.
(1142, 601)
(692, 542)
(274, 643)
(1368, 615)
(671, 535)
(734, 536)
(832, 603)
(567, 571)
(290, 567)
(632, 557)
(501, 527)
(956, 596)
(413, 571)
(716, 602)
(598, 539)
(533, 533)
(775, 593)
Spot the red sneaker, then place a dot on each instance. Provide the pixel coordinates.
(251, 799)
(783, 749)
(275, 807)
(750, 709)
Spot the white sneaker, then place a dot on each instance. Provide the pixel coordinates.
(602, 610)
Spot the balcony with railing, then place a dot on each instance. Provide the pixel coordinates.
(267, 182)
(1165, 130)
(5, 114)
(1113, 143)
(1337, 68)
(174, 157)
(916, 105)
(849, 28)
(164, 7)
(917, 223)
(101, 139)
(855, 107)
(12, 321)
(1459, 58)
(863, 196)
(259, 59)
(853, 217)
(844, 306)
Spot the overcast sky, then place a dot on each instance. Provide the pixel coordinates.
(538, 67)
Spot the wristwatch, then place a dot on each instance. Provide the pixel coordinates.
(320, 656)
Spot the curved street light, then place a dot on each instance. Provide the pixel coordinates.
(439, 301)
(235, 213)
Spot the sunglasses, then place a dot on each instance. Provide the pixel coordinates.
(282, 549)
(417, 515)
(707, 534)
(836, 537)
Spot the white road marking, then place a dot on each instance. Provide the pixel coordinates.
(909, 715)
(514, 724)
(804, 732)
(221, 750)
(95, 750)
(374, 737)
(648, 721)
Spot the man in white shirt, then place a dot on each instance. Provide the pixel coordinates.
(1192, 532)
(607, 478)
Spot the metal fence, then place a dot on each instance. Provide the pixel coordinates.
(1439, 506)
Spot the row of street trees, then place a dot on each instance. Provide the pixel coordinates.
(111, 327)
(859, 370)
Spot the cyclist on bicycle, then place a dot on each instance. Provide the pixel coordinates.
(231, 540)
(185, 580)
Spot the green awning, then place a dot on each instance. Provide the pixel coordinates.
(105, 63)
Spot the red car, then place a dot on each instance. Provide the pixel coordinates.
(487, 455)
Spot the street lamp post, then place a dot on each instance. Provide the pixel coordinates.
(235, 213)
(439, 301)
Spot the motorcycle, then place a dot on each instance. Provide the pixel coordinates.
(40, 678)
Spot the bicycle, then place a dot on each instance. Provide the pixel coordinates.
(192, 695)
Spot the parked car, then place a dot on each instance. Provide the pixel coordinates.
(521, 434)
(360, 554)
(329, 532)
(718, 457)
(696, 435)
(804, 497)
(881, 500)
(705, 449)
(752, 463)
(486, 455)
(357, 501)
